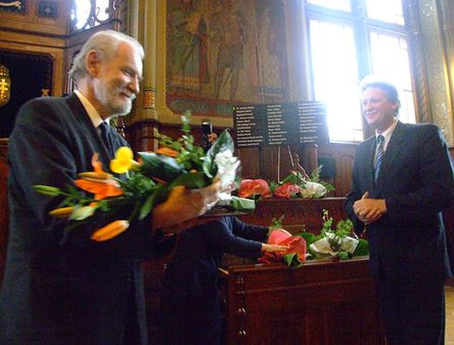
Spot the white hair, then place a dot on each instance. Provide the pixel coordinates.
(106, 44)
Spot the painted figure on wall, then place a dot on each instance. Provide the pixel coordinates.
(221, 52)
(188, 46)
(271, 44)
(228, 31)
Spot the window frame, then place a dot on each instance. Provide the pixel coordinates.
(362, 26)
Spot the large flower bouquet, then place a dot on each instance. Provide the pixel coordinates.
(295, 185)
(147, 182)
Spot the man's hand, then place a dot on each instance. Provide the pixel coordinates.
(369, 210)
(183, 205)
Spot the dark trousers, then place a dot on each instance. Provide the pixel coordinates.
(189, 320)
(413, 312)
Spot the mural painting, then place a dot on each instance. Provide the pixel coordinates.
(222, 53)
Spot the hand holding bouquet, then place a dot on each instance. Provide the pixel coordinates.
(177, 169)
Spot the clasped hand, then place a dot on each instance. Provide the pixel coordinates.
(369, 210)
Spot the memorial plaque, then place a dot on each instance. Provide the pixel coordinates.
(280, 124)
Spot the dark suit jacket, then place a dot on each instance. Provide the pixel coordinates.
(416, 179)
(82, 292)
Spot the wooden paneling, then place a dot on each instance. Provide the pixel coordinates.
(37, 32)
(299, 214)
(344, 156)
(37, 19)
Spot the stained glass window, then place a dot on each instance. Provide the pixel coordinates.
(86, 14)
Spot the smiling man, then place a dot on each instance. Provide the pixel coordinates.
(81, 291)
(402, 180)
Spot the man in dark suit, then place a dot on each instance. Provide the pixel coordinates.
(398, 193)
(82, 291)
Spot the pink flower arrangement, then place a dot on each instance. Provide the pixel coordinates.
(294, 256)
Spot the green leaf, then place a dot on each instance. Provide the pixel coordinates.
(158, 195)
(329, 187)
(147, 206)
(308, 237)
(104, 206)
(292, 260)
(159, 166)
(242, 204)
(209, 167)
(292, 178)
(277, 223)
(362, 248)
(191, 180)
(343, 255)
(223, 143)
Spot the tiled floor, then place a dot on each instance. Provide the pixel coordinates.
(449, 315)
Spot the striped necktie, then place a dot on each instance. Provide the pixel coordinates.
(379, 155)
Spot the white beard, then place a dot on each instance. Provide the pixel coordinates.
(108, 97)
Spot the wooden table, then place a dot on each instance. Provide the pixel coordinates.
(322, 302)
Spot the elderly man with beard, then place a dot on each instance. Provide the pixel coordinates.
(81, 291)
